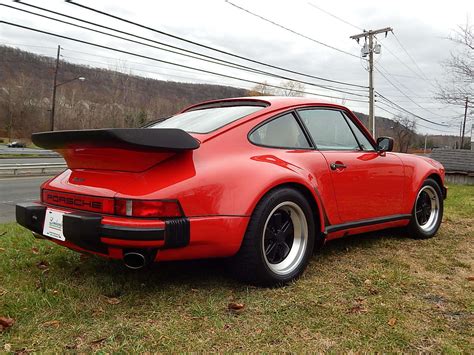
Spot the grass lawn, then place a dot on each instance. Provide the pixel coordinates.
(378, 292)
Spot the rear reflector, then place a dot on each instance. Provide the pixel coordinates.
(79, 202)
(147, 208)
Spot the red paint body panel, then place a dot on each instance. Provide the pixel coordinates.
(219, 184)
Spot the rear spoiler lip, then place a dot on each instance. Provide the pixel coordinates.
(170, 139)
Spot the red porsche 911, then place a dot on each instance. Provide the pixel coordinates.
(262, 181)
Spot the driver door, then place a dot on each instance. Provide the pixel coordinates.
(366, 184)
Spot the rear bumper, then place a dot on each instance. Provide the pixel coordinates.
(90, 232)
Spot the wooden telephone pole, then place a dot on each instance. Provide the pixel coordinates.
(370, 35)
(53, 101)
(463, 129)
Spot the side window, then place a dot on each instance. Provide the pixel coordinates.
(282, 132)
(363, 141)
(329, 129)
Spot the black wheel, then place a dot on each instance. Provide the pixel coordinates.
(278, 242)
(427, 211)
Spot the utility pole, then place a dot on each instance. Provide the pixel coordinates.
(53, 102)
(464, 123)
(370, 35)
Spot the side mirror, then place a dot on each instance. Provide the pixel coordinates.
(384, 144)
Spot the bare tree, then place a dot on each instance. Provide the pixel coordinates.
(459, 67)
(404, 132)
(291, 88)
(262, 89)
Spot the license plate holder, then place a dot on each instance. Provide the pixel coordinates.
(53, 224)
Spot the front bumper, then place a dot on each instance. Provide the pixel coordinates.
(90, 232)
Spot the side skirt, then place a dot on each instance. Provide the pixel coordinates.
(365, 222)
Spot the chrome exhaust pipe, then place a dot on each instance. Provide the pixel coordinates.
(135, 260)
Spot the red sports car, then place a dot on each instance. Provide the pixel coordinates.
(262, 180)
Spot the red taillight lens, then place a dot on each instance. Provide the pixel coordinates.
(147, 208)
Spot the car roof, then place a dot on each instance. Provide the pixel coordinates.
(273, 101)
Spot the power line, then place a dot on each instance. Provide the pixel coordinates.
(211, 48)
(418, 124)
(388, 49)
(407, 66)
(146, 71)
(290, 30)
(408, 97)
(213, 60)
(171, 63)
(409, 56)
(336, 17)
(407, 111)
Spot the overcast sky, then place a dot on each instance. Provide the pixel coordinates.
(420, 26)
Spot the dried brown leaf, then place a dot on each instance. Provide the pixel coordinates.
(98, 341)
(52, 323)
(112, 300)
(42, 265)
(6, 323)
(236, 307)
(470, 278)
(392, 321)
(35, 250)
(2, 249)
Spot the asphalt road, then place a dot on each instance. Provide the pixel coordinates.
(15, 190)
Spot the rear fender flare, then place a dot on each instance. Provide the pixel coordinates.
(309, 191)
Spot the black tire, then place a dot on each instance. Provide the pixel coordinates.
(286, 207)
(427, 212)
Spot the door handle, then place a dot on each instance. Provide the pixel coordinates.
(335, 166)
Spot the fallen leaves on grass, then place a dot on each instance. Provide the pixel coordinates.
(392, 321)
(52, 324)
(358, 306)
(43, 265)
(112, 300)
(98, 341)
(7, 347)
(35, 250)
(470, 278)
(2, 249)
(97, 312)
(235, 307)
(6, 323)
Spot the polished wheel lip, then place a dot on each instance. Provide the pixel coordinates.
(427, 213)
(300, 239)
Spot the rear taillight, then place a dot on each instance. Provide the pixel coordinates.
(148, 208)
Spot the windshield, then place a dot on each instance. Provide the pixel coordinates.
(206, 120)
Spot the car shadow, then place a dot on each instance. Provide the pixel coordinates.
(210, 273)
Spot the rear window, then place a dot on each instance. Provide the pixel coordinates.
(206, 120)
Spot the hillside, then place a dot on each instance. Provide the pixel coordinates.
(107, 98)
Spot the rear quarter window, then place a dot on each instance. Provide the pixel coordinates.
(281, 132)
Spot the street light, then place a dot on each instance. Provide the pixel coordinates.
(53, 103)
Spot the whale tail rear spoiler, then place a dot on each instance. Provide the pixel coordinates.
(121, 149)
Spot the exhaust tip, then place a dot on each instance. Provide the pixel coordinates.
(134, 260)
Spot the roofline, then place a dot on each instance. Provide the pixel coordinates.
(265, 103)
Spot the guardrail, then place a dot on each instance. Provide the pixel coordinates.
(14, 169)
